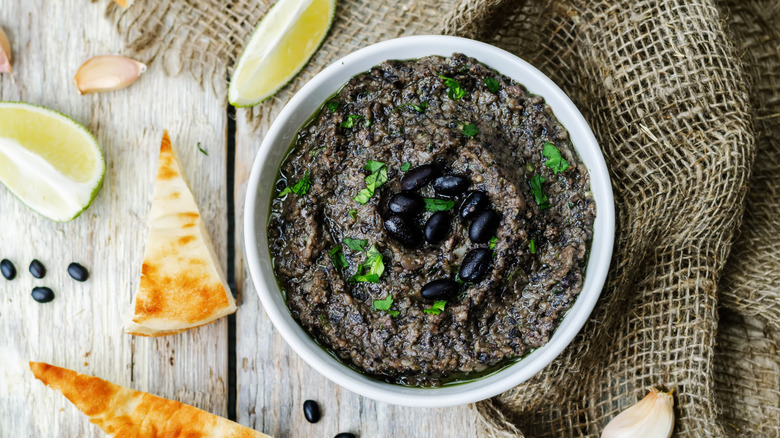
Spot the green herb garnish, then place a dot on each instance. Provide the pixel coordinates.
(352, 213)
(333, 105)
(372, 269)
(405, 167)
(385, 305)
(493, 241)
(492, 85)
(470, 129)
(456, 91)
(532, 246)
(339, 260)
(202, 151)
(536, 188)
(435, 308)
(432, 204)
(554, 159)
(419, 108)
(300, 188)
(373, 181)
(356, 244)
(352, 118)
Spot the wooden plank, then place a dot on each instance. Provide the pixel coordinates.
(82, 328)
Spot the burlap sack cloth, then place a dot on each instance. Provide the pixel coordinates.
(684, 98)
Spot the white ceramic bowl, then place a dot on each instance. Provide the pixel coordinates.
(262, 187)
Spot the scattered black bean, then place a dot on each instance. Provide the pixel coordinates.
(37, 269)
(484, 227)
(345, 435)
(78, 272)
(42, 294)
(311, 410)
(406, 203)
(451, 185)
(473, 204)
(398, 228)
(475, 264)
(418, 177)
(437, 227)
(439, 289)
(8, 269)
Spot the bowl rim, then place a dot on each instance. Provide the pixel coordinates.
(510, 376)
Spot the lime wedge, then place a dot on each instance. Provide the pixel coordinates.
(279, 48)
(50, 162)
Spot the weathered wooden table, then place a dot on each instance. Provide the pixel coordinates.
(238, 367)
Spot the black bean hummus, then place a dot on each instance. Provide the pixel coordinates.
(431, 222)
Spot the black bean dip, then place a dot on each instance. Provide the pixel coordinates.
(327, 230)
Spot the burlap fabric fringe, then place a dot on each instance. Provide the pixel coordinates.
(668, 91)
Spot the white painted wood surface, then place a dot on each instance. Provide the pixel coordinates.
(82, 328)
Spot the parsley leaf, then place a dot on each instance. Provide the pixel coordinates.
(375, 267)
(419, 108)
(405, 167)
(333, 105)
(555, 161)
(339, 260)
(532, 246)
(536, 188)
(300, 188)
(373, 181)
(356, 244)
(352, 118)
(432, 204)
(470, 129)
(202, 151)
(456, 91)
(435, 308)
(492, 84)
(352, 213)
(384, 304)
(493, 241)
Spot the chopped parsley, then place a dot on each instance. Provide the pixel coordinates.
(352, 213)
(493, 242)
(333, 105)
(202, 151)
(536, 188)
(355, 244)
(554, 159)
(373, 181)
(470, 129)
(456, 91)
(492, 85)
(435, 308)
(352, 119)
(419, 108)
(385, 305)
(432, 204)
(372, 269)
(315, 152)
(339, 260)
(300, 188)
(532, 246)
(405, 167)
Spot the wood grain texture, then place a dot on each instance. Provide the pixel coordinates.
(273, 382)
(82, 328)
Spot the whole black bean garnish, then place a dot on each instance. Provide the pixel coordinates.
(406, 203)
(42, 294)
(439, 289)
(8, 269)
(345, 435)
(473, 204)
(484, 226)
(451, 185)
(37, 269)
(418, 177)
(437, 227)
(475, 264)
(401, 230)
(78, 272)
(311, 410)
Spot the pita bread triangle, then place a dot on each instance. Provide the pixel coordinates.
(126, 413)
(182, 284)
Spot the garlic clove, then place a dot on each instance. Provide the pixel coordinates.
(5, 53)
(651, 417)
(107, 72)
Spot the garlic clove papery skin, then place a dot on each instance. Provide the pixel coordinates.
(5, 53)
(651, 417)
(106, 73)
